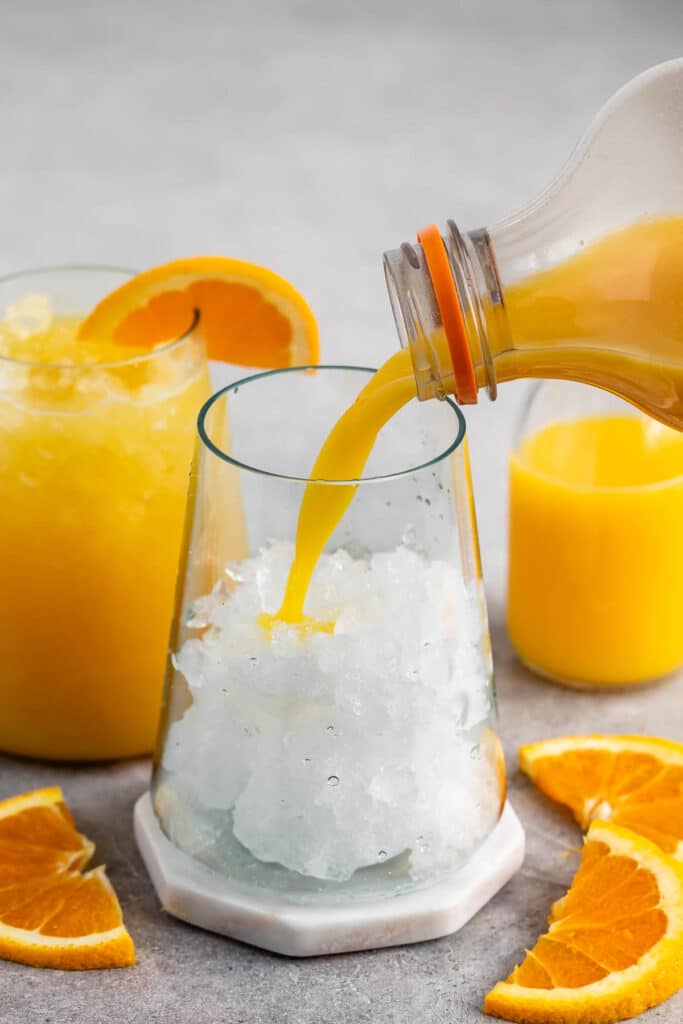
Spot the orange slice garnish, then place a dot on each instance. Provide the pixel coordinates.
(634, 781)
(246, 314)
(52, 914)
(615, 942)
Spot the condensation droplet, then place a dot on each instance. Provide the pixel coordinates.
(409, 535)
(422, 844)
(333, 780)
(382, 855)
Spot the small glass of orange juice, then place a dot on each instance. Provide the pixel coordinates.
(595, 579)
(96, 446)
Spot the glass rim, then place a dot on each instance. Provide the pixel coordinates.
(379, 478)
(108, 364)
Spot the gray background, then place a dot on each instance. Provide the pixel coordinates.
(309, 136)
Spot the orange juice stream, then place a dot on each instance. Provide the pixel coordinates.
(342, 457)
(611, 316)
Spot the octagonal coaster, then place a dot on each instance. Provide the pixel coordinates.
(193, 892)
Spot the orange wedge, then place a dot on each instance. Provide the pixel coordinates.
(246, 314)
(492, 750)
(615, 942)
(635, 781)
(51, 913)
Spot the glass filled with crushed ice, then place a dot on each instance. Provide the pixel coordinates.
(354, 756)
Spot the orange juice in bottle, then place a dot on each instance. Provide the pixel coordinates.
(586, 284)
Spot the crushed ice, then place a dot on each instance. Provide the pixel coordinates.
(339, 751)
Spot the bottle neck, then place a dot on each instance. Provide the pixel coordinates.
(450, 314)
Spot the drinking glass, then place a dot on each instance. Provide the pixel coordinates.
(93, 481)
(595, 578)
(322, 767)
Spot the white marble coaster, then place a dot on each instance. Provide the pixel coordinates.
(193, 892)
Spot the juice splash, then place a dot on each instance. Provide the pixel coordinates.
(95, 460)
(596, 550)
(611, 316)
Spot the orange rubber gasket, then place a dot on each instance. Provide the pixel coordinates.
(451, 314)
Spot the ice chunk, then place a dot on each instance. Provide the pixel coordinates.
(30, 315)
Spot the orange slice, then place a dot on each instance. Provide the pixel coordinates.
(492, 750)
(635, 781)
(615, 942)
(246, 314)
(51, 913)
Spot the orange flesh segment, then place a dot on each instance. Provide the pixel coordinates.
(84, 907)
(566, 967)
(20, 861)
(614, 946)
(609, 918)
(52, 915)
(246, 314)
(237, 324)
(639, 789)
(51, 826)
(164, 317)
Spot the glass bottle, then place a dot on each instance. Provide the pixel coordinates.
(585, 284)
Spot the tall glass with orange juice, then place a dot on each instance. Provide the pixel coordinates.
(96, 446)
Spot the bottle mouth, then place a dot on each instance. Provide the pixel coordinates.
(417, 318)
(450, 309)
(437, 289)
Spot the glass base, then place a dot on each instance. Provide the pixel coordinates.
(595, 686)
(193, 892)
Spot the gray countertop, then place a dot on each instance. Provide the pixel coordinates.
(309, 136)
(186, 975)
